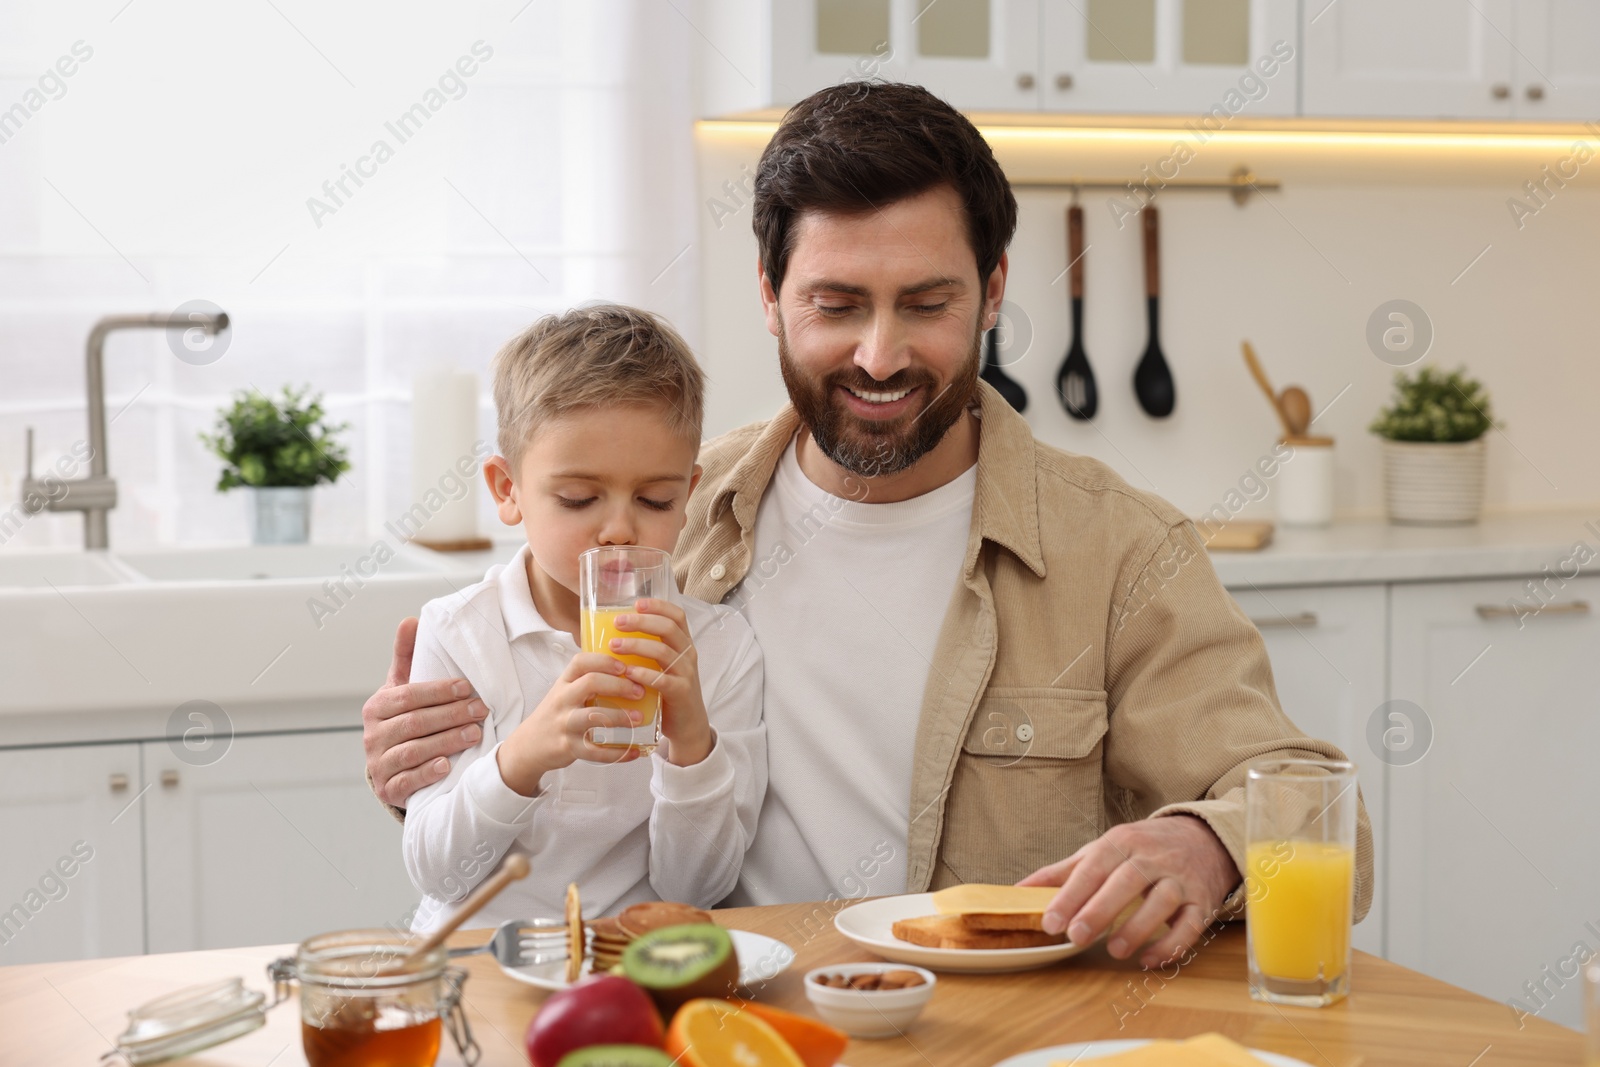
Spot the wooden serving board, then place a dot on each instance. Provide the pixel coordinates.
(1237, 536)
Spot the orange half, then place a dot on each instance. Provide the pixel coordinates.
(714, 1033)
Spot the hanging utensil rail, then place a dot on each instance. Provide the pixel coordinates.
(1241, 183)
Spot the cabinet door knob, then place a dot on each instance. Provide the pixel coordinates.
(1024, 81)
(169, 779)
(1500, 90)
(119, 783)
(1063, 81)
(1535, 92)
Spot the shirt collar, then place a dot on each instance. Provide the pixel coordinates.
(1006, 506)
(516, 598)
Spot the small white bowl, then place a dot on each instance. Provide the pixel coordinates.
(869, 1012)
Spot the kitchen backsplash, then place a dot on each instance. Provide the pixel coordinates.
(1299, 272)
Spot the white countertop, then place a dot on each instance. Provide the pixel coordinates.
(1374, 551)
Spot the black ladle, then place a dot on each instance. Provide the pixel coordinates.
(1152, 380)
(1075, 380)
(989, 370)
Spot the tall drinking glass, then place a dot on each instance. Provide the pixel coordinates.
(1300, 832)
(610, 579)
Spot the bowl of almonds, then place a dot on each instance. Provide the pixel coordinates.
(870, 999)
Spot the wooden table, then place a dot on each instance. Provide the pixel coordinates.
(56, 1014)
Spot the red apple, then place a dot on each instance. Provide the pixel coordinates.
(600, 1010)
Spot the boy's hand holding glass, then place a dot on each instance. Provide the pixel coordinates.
(556, 733)
(683, 710)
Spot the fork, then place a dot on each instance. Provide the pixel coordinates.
(525, 942)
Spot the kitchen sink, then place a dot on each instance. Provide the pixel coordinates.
(40, 570)
(258, 562)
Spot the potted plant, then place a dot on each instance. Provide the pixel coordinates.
(1434, 448)
(279, 449)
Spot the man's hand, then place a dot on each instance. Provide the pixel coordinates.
(1174, 862)
(409, 729)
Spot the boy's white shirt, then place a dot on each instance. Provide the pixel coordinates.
(645, 830)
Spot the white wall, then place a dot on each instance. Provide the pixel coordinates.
(1297, 272)
(177, 161)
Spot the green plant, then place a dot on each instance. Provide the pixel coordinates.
(1435, 407)
(277, 442)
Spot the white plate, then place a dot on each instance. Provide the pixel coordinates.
(1094, 1050)
(870, 925)
(761, 958)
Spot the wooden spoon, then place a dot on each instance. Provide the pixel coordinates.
(1296, 408)
(1260, 376)
(515, 867)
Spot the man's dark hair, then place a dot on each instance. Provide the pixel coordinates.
(861, 145)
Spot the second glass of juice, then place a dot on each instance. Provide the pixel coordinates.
(1300, 833)
(610, 579)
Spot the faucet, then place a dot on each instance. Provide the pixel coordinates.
(96, 494)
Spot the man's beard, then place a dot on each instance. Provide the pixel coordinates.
(873, 448)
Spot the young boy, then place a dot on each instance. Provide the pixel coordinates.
(599, 412)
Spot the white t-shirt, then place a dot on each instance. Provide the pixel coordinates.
(847, 600)
(645, 830)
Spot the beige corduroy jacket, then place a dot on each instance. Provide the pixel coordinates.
(1092, 670)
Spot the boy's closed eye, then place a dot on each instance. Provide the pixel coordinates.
(658, 505)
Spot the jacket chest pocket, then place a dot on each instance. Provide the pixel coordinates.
(1028, 784)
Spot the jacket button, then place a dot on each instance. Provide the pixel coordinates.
(1024, 732)
(718, 571)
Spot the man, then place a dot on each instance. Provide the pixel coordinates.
(987, 660)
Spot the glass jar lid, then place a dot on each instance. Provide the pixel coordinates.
(188, 1020)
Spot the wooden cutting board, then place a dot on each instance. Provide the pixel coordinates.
(1237, 536)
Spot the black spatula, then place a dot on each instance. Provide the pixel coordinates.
(1075, 379)
(1152, 380)
(989, 370)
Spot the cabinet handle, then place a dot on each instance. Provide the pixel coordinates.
(1506, 611)
(1024, 81)
(1305, 618)
(119, 783)
(1500, 90)
(1063, 81)
(1535, 92)
(169, 779)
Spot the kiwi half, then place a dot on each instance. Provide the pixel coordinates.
(676, 964)
(616, 1056)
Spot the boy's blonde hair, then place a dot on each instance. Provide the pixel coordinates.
(596, 356)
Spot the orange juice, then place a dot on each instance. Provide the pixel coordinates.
(598, 628)
(1300, 897)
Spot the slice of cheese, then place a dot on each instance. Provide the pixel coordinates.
(1207, 1050)
(979, 899)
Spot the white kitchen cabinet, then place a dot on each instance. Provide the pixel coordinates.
(978, 54)
(1557, 60)
(1327, 647)
(1494, 873)
(1175, 57)
(71, 884)
(278, 839)
(1419, 59)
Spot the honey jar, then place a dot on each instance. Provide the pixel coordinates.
(364, 1003)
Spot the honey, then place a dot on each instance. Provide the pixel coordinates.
(416, 1045)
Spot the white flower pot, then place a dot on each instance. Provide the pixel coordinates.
(1431, 483)
(280, 515)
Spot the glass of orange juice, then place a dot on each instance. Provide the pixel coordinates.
(1300, 834)
(610, 579)
(1591, 1013)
